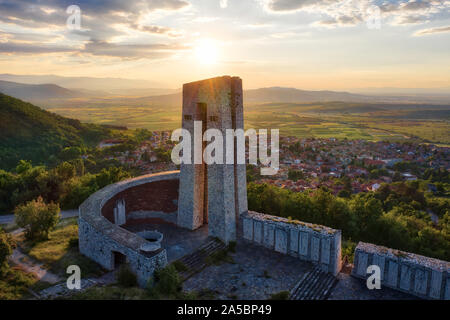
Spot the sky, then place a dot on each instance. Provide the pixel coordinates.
(307, 44)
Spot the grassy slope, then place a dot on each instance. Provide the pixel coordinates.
(61, 250)
(31, 133)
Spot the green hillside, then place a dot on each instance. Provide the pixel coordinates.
(30, 133)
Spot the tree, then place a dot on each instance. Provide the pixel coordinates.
(38, 218)
(295, 175)
(5, 250)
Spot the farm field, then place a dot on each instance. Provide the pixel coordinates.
(323, 120)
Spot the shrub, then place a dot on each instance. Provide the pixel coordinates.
(219, 257)
(5, 250)
(180, 266)
(282, 295)
(38, 218)
(126, 277)
(166, 282)
(232, 246)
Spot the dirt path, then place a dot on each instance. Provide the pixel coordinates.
(18, 258)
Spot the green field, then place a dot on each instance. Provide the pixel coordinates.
(323, 120)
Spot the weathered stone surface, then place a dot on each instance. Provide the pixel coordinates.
(392, 274)
(325, 254)
(405, 277)
(269, 235)
(407, 272)
(304, 243)
(213, 193)
(447, 289)
(100, 239)
(293, 242)
(421, 282)
(362, 263)
(315, 248)
(436, 284)
(281, 241)
(248, 229)
(379, 261)
(258, 232)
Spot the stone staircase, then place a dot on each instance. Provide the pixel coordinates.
(314, 285)
(196, 261)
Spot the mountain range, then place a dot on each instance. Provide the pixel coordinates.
(102, 90)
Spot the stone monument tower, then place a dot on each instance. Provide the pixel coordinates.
(213, 194)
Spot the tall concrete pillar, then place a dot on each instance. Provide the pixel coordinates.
(217, 193)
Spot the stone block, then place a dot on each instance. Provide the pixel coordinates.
(325, 255)
(269, 235)
(436, 284)
(247, 226)
(304, 243)
(421, 281)
(379, 261)
(293, 241)
(362, 264)
(447, 289)
(405, 277)
(315, 248)
(392, 274)
(258, 231)
(281, 240)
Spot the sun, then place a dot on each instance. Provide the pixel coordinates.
(207, 51)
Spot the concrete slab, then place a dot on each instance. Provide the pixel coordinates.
(315, 248)
(281, 241)
(269, 235)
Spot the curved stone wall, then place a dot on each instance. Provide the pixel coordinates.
(103, 241)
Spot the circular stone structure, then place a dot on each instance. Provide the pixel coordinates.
(154, 236)
(101, 237)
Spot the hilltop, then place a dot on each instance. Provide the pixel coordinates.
(35, 92)
(31, 133)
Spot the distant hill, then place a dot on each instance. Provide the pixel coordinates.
(265, 95)
(35, 92)
(110, 85)
(30, 133)
(292, 95)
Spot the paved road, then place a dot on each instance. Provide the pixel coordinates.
(7, 219)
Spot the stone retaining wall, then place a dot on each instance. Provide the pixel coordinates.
(309, 242)
(100, 239)
(407, 272)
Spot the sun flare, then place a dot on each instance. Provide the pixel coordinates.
(207, 51)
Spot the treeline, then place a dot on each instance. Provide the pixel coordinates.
(68, 184)
(395, 216)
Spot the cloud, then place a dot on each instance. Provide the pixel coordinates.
(223, 4)
(102, 22)
(425, 32)
(295, 5)
(131, 51)
(332, 13)
(401, 20)
(26, 48)
(159, 30)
